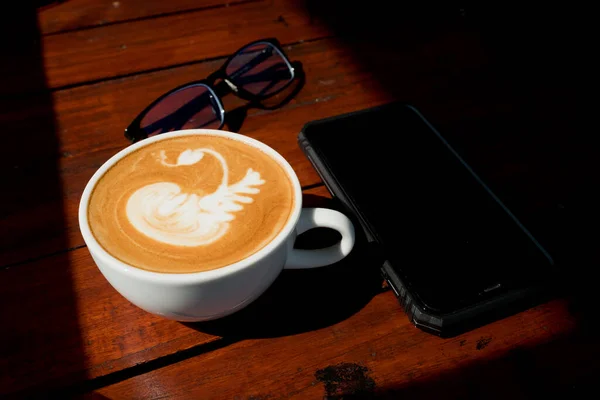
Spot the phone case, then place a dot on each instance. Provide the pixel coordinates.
(448, 324)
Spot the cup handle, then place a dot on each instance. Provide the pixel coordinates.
(322, 218)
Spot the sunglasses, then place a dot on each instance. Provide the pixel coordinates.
(255, 72)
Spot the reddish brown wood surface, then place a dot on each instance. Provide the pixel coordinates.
(78, 14)
(399, 359)
(143, 45)
(81, 70)
(69, 324)
(72, 325)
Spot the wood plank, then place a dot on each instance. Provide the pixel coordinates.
(78, 14)
(64, 323)
(143, 45)
(78, 129)
(384, 355)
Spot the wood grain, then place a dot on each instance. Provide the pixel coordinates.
(85, 127)
(78, 14)
(497, 361)
(65, 323)
(116, 50)
(66, 328)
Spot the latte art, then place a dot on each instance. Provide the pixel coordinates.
(190, 203)
(163, 212)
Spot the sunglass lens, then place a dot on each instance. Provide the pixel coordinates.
(191, 107)
(260, 69)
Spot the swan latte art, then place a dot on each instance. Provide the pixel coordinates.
(190, 203)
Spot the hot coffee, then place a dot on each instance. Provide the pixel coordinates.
(190, 203)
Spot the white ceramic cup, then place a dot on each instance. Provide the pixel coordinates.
(213, 294)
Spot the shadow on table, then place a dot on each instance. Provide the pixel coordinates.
(564, 365)
(554, 369)
(305, 300)
(510, 89)
(38, 310)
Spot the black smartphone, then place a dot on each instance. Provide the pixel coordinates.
(454, 254)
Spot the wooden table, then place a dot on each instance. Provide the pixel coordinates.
(508, 97)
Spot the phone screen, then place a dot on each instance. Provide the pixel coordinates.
(448, 238)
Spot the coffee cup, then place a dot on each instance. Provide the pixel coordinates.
(194, 225)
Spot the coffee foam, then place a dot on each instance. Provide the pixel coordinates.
(163, 212)
(189, 204)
